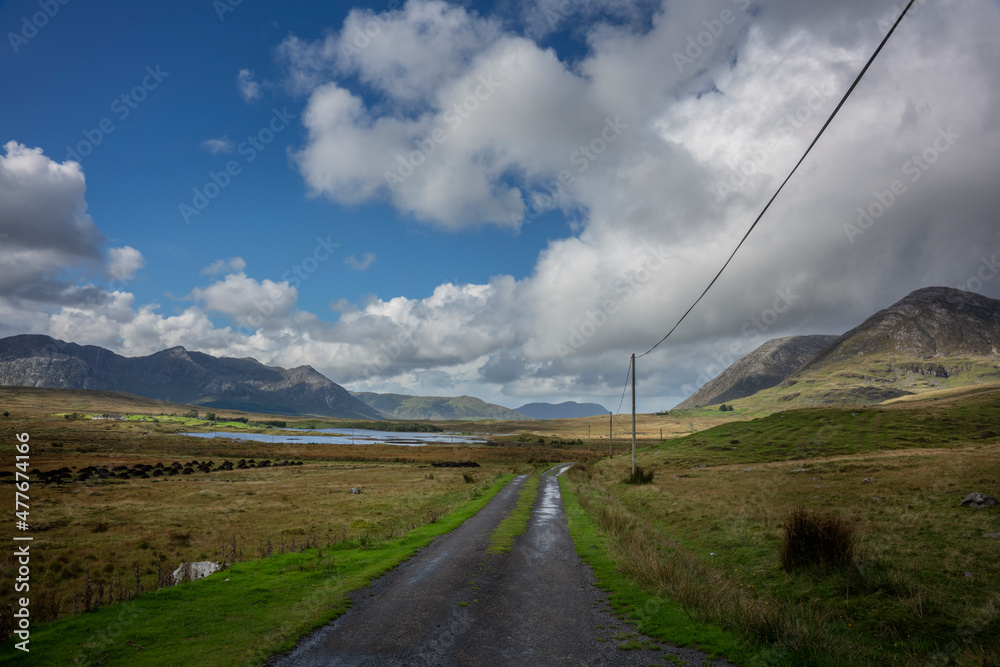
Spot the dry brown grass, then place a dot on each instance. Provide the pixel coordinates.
(107, 530)
(711, 539)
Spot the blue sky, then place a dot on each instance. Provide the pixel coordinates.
(661, 129)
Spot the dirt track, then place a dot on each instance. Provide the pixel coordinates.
(534, 605)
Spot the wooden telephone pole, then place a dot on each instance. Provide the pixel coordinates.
(633, 415)
(611, 434)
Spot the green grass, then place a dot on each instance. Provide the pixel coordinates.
(905, 598)
(654, 616)
(516, 523)
(813, 432)
(237, 617)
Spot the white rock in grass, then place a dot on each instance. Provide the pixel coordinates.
(193, 571)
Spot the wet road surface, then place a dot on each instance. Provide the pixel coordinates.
(453, 604)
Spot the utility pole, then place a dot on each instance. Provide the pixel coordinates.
(588, 439)
(633, 415)
(611, 434)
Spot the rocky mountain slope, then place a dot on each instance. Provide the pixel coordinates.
(934, 338)
(177, 375)
(401, 406)
(765, 367)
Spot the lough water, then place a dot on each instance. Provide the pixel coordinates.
(359, 436)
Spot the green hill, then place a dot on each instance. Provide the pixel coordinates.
(437, 408)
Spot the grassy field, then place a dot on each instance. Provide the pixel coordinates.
(238, 617)
(922, 587)
(693, 557)
(100, 541)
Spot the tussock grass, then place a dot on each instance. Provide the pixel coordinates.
(817, 539)
(639, 476)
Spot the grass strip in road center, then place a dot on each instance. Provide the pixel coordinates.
(516, 523)
(239, 616)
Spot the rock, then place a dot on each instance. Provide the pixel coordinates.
(193, 571)
(976, 499)
(800, 470)
(992, 536)
(969, 575)
(356, 490)
(868, 480)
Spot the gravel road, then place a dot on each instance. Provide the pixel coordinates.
(452, 604)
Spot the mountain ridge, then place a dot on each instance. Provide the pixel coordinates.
(178, 375)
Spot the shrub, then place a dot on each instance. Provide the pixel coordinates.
(814, 538)
(469, 479)
(639, 476)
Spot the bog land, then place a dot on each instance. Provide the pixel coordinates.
(694, 556)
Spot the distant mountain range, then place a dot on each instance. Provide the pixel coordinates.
(402, 406)
(179, 376)
(934, 338)
(567, 410)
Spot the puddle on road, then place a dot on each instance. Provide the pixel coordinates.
(551, 501)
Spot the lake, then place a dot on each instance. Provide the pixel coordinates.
(353, 437)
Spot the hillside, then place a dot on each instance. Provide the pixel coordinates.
(935, 338)
(179, 376)
(401, 406)
(765, 367)
(567, 410)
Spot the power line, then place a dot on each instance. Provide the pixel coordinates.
(782, 186)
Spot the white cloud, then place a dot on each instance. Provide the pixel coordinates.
(245, 299)
(218, 145)
(43, 214)
(231, 265)
(360, 264)
(124, 263)
(248, 85)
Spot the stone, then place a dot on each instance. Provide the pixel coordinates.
(992, 536)
(868, 480)
(976, 499)
(193, 571)
(356, 490)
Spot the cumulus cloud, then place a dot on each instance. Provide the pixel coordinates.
(43, 214)
(360, 264)
(246, 299)
(248, 85)
(124, 263)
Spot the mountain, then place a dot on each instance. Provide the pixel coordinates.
(934, 338)
(177, 375)
(567, 410)
(401, 406)
(768, 365)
